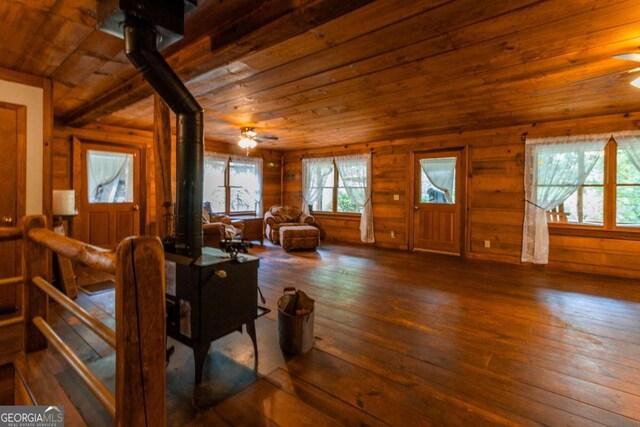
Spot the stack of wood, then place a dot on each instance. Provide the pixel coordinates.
(297, 303)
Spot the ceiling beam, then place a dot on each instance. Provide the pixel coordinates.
(268, 23)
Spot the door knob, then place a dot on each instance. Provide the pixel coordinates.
(6, 220)
(416, 207)
(135, 207)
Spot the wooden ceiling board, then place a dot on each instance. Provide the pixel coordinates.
(392, 94)
(433, 59)
(332, 72)
(269, 23)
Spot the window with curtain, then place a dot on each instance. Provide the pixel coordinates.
(602, 203)
(585, 205)
(582, 181)
(340, 185)
(233, 185)
(338, 191)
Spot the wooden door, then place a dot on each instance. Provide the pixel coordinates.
(110, 199)
(13, 120)
(437, 202)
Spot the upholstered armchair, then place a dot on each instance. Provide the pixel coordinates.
(218, 227)
(279, 216)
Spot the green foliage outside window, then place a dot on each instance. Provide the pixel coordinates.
(345, 204)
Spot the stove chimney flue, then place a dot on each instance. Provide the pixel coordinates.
(141, 47)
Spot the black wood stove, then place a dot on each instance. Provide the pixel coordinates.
(208, 297)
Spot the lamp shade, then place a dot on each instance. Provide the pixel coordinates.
(247, 143)
(64, 203)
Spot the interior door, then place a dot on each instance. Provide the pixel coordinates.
(437, 202)
(111, 194)
(12, 196)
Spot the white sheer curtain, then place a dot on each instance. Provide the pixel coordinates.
(552, 174)
(629, 142)
(314, 172)
(441, 173)
(213, 184)
(355, 174)
(253, 187)
(105, 169)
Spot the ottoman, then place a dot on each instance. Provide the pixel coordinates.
(299, 237)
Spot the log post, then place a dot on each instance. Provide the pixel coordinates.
(162, 154)
(140, 333)
(36, 302)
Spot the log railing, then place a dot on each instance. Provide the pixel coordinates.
(140, 336)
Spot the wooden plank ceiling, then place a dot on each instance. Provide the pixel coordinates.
(332, 72)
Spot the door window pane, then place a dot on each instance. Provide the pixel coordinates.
(109, 177)
(438, 180)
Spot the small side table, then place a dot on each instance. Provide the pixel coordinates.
(253, 228)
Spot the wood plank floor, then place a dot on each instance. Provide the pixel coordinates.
(419, 339)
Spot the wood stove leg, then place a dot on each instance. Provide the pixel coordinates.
(200, 352)
(251, 330)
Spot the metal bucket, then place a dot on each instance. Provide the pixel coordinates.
(295, 330)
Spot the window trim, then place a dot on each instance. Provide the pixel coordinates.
(609, 225)
(335, 213)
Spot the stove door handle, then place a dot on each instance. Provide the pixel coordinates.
(221, 274)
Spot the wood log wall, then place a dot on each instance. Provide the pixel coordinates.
(63, 173)
(495, 196)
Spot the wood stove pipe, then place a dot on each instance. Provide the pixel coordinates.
(141, 49)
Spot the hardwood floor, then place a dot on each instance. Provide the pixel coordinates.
(419, 339)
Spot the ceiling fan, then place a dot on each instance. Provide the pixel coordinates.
(631, 57)
(249, 138)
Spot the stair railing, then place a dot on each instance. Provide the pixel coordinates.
(140, 335)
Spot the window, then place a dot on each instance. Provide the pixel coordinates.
(340, 185)
(233, 185)
(599, 202)
(110, 177)
(335, 192)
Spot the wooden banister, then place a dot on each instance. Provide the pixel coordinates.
(99, 328)
(11, 321)
(10, 233)
(140, 337)
(140, 332)
(11, 281)
(87, 377)
(91, 256)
